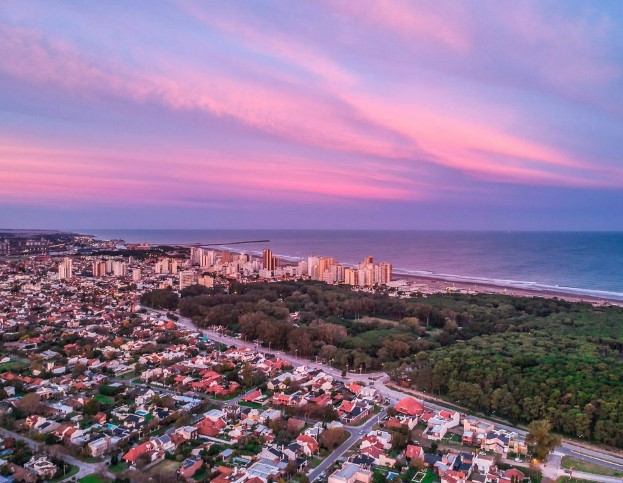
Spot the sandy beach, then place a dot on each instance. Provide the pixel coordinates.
(438, 285)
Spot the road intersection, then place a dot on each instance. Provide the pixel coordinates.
(379, 381)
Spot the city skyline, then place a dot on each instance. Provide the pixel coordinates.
(435, 115)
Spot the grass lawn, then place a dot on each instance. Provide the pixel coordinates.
(419, 476)
(72, 471)
(586, 467)
(566, 479)
(93, 479)
(430, 477)
(165, 467)
(200, 475)
(128, 375)
(249, 404)
(104, 399)
(376, 320)
(118, 468)
(11, 365)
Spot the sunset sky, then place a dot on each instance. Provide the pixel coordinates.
(312, 114)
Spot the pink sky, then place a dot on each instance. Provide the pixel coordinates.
(210, 109)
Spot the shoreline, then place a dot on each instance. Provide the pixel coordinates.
(433, 285)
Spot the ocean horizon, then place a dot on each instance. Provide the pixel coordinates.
(577, 263)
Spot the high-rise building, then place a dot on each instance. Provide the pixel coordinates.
(208, 258)
(361, 278)
(265, 273)
(120, 269)
(226, 257)
(136, 275)
(195, 255)
(324, 264)
(386, 272)
(99, 268)
(65, 269)
(338, 273)
(351, 276)
(166, 265)
(268, 260)
(206, 281)
(5, 247)
(312, 267)
(187, 278)
(160, 267)
(301, 269)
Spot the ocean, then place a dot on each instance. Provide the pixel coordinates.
(582, 263)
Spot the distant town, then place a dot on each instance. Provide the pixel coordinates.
(190, 266)
(93, 383)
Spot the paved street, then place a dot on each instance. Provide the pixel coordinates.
(380, 379)
(85, 468)
(356, 433)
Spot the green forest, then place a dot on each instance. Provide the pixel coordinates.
(520, 358)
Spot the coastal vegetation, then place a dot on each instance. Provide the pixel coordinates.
(521, 358)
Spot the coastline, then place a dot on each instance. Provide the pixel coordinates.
(440, 283)
(435, 284)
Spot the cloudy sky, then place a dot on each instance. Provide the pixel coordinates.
(312, 114)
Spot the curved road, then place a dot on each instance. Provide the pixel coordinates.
(84, 467)
(378, 380)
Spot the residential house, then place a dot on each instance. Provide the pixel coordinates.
(483, 463)
(189, 467)
(351, 473)
(187, 432)
(98, 447)
(294, 399)
(475, 430)
(266, 470)
(308, 443)
(410, 406)
(41, 466)
(210, 426)
(414, 453)
(438, 426)
(351, 411)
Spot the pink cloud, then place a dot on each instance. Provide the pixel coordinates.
(111, 176)
(340, 114)
(266, 41)
(411, 21)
